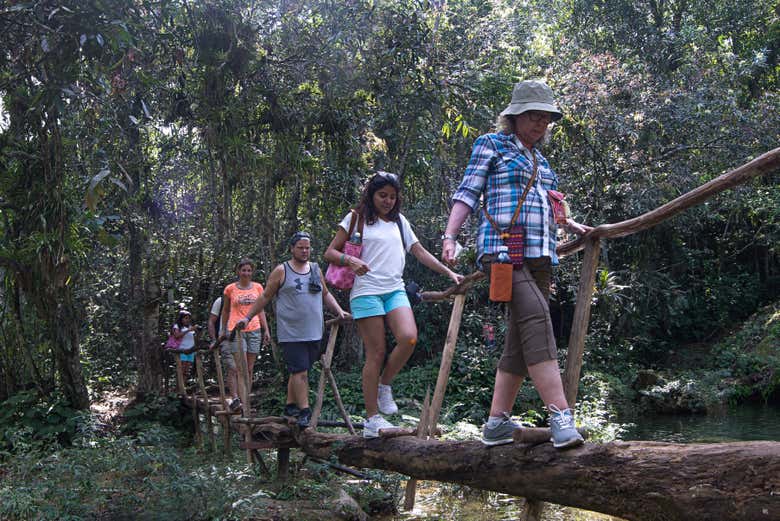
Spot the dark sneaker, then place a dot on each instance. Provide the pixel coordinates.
(564, 432)
(304, 418)
(501, 434)
(291, 410)
(235, 404)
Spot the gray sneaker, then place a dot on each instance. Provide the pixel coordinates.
(564, 433)
(501, 433)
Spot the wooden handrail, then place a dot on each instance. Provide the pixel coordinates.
(456, 289)
(761, 165)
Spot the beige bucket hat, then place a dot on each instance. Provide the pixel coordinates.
(532, 95)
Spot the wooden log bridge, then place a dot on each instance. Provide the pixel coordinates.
(637, 481)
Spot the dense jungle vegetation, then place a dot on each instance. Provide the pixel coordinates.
(147, 145)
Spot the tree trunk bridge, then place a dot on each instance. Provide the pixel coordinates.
(638, 481)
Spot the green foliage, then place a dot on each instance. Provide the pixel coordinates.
(28, 422)
(122, 478)
(156, 409)
(749, 360)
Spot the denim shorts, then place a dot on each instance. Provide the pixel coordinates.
(250, 342)
(378, 305)
(187, 357)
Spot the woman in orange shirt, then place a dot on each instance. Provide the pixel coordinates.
(237, 300)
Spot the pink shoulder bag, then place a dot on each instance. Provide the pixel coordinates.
(342, 277)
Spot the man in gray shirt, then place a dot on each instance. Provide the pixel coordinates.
(300, 291)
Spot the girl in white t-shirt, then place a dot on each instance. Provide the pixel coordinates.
(378, 293)
(185, 331)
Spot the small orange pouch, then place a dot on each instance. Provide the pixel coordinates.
(500, 282)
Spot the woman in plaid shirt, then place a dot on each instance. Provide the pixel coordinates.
(502, 165)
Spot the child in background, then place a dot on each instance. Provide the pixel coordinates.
(185, 332)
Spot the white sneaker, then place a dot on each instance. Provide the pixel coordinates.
(373, 424)
(386, 403)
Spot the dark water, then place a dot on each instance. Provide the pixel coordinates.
(741, 423)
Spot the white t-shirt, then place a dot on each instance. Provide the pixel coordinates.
(188, 340)
(215, 306)
(217, 312)
(384, 254)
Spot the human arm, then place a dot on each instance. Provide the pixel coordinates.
(264, 324)
(573, 226)
(466, 198)
(458, 214)
(212, 326)
(330, 301)
(432, 263)
(225, 314)
(177, 332)
(334, 255)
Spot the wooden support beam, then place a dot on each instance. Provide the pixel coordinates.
(327, 357)
(220, 378)
(206, 403)
(327, 374)
(579, 327)
(179, 376)
(410, 494)
(446, 360)
(339, 403)
(243, 390)
(282, 463)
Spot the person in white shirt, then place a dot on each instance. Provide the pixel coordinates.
(185, 332)
(378, 293)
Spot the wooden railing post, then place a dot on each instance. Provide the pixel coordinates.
(579, 327)
(446, 362)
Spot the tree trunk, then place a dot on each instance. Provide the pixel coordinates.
(65, 331)
(150, 356)
(136, 295)
(638, 481)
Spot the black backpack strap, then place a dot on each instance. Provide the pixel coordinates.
(401, 230)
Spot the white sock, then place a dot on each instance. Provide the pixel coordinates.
(494, 421)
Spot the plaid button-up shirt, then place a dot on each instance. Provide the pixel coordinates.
(498, 172)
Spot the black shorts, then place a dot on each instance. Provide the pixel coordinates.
(300, 356)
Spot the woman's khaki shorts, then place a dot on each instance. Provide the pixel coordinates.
(530, 339)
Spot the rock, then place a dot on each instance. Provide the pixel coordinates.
(646, 378)
(675, 397)
(347, 508)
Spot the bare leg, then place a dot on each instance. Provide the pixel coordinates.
(300, 389)
(291, 390)
(404, 328)
(250, 368)
(505, 392)
(546, 377)
(233, 382)
(372, 331)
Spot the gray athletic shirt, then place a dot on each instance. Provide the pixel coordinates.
(298, 310)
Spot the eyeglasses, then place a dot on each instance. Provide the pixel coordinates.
(538, 115)
(387, 175)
